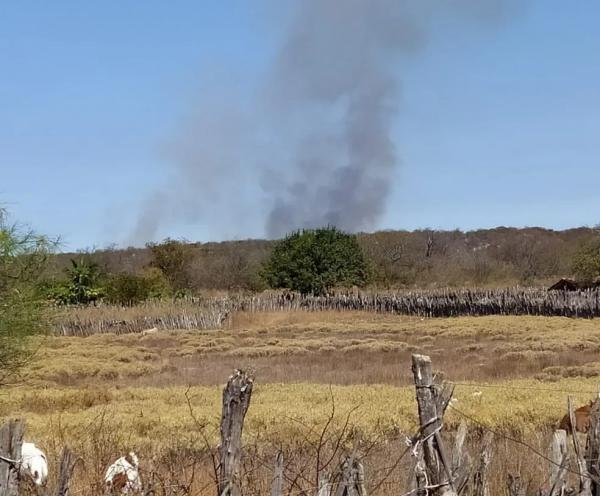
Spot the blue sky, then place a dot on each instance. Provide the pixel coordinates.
(498, 122)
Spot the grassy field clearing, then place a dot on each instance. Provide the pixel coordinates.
(141, 380)
(326, 348)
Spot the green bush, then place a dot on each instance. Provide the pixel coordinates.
(130, 289)
(316, 260)
(81, 287)
(23, 259)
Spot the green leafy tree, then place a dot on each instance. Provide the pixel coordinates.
(316, 260)
(173, 258)
(586, 262)
(23, 313)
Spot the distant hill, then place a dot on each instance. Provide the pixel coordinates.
(425, 258)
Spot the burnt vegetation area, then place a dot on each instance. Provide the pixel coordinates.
(397, 259)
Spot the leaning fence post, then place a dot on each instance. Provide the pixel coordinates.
(438, 470)
(236, 400)
(11, 439)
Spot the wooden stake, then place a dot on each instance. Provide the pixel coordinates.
(236, 400)
(438, 470)
(11, 439)
(585, 488)
(277, 484)
(66, 470)
(593, 448)
(560, 458)
(480, 483)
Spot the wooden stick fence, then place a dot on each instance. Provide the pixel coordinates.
(213, 313)
(434, 471)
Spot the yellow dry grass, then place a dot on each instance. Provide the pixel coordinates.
(139, 381)
(106, 394)
(327, 347)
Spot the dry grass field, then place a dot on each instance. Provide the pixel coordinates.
(105, 394)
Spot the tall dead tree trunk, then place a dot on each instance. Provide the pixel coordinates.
(236, 400)
(11, 439)
(429, 400)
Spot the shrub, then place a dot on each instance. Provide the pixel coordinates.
(130, 289)
(172, 258)
(81, 287)
(23, 258)
(314, 261)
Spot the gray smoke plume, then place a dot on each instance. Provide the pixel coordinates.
(317, 139)
(335, 81)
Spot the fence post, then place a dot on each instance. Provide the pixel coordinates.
(11, 439)
(236, 400)
(438, 470)
(351, 478)
(277, 484)
(67, 465)
(515, 486)
(480, 482)
(560, 457)
(593, 447)
(461, 463)
(585, 488)
(324, 486)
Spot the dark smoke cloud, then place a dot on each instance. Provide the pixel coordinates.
(317, 141)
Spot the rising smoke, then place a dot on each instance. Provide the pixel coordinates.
(317, 142)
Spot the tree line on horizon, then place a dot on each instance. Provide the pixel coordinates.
(392, 260)
(34, 278)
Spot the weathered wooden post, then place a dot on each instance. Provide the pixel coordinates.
(324, 486)
(480, 481)
(277, 483)
(560, 457)
(585, 487)
(352, 478)
(67, 464)
(429, 400)
(11, 439)
(236, 400)
(515, 486)
(593, 448)
(461, 462)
